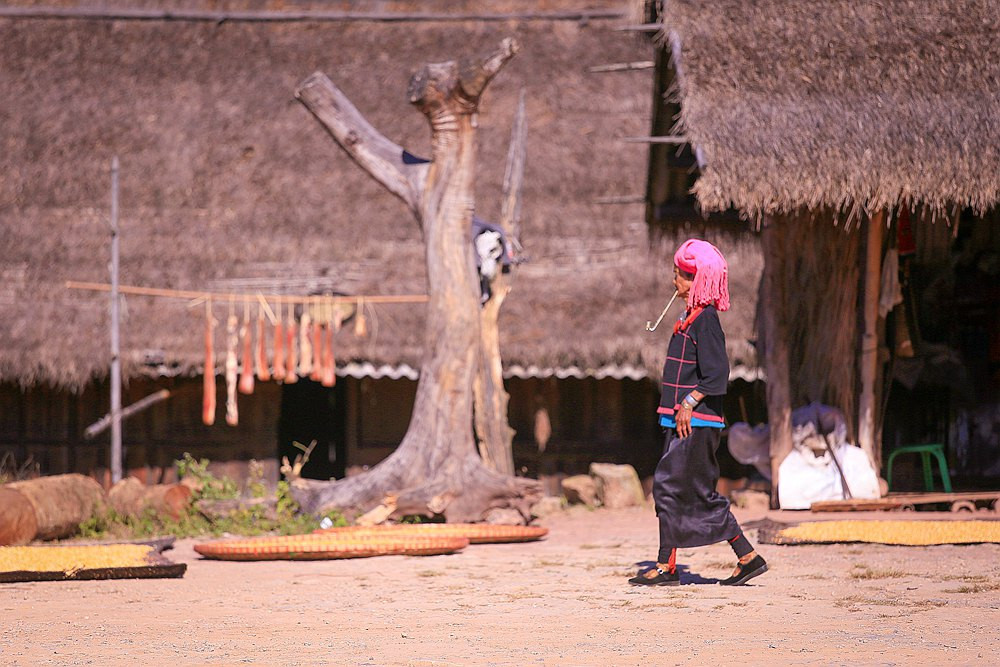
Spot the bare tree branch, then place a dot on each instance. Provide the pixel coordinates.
(376, 154)
(513, 177)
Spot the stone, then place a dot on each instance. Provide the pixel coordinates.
(504, 516)
(546, 506)
(617, 485)
(750, 500)
(580, 489)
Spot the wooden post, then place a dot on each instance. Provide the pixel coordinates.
(779, 403)
(116, 372)
(868, 354)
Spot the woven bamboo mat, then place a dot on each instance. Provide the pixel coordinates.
(476, 533)
(327, 547)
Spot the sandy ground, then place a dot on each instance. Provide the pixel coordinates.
(562, 601)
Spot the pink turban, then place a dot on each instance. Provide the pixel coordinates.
(711, 273)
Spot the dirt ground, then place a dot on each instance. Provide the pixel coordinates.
(562, 601)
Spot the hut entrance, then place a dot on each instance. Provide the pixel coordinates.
(310, 411)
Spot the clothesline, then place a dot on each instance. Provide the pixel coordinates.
(224, 297)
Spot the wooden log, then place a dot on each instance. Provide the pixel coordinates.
(17, 518)
(61, 502)
(130, 497)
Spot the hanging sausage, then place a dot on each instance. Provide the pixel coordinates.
(260, 359)
(279, 347)
(305, 344)
(208, 383)
(246, 373)
(317, 345)
(329, 365)
(290, 376)
(232, 340)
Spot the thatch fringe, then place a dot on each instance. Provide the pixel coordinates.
(857, 107)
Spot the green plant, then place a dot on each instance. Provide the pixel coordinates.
(253, 519)
(211, 487)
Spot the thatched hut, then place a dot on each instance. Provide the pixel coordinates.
(228, 184)
(841, 128)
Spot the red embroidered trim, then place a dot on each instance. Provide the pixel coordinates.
(682, 325)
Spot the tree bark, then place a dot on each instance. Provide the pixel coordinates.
(435, 469)
(494, 435)
(776, 364)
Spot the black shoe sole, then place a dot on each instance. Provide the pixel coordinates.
(655, 583)
(747, 576)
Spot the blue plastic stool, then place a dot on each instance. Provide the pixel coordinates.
(926, 451)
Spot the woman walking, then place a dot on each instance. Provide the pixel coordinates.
(695, 375)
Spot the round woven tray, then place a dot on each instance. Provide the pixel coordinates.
(326, 547)
(476, 533)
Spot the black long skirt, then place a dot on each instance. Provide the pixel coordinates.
(691, 512)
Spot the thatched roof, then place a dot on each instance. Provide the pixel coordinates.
(228, 182)
(840, 104)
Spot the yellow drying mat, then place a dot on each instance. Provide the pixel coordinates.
(909, 533)
(73, 558)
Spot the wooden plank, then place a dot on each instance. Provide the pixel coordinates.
(313, 15)
(898, 500)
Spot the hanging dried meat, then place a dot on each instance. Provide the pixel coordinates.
(305, 344)
(260, 358)
(246, 373)
(290, 362)
(279, 348)
(208, 384)
(329, 375)
(232, 343)
(317, 345)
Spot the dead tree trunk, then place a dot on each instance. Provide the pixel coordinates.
(494, 435)
(435, 469)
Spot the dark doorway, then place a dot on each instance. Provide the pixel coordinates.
(310, 411)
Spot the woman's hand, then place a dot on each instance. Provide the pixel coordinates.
(683, 418)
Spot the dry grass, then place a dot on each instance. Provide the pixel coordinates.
(975, 588)
(864, 572)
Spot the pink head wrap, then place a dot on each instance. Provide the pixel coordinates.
(711, 273)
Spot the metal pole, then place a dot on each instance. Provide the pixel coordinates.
(116, 374)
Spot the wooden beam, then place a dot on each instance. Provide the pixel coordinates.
(621, 199)
(776, 364)
(104, 422)
(641, 27)
(868, 354)
(109, 14)
(655, 140)
(622, 67)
